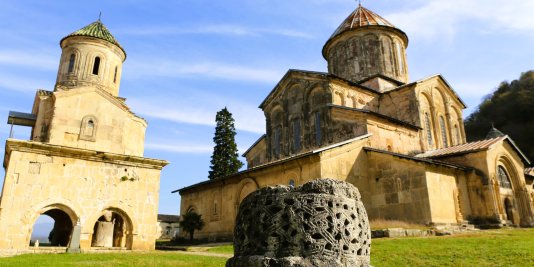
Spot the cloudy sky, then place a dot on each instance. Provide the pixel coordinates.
(187, 59)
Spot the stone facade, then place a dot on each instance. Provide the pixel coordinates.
(402, 144)
(84, 164)
(321, 223)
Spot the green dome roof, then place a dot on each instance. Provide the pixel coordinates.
(96, 30)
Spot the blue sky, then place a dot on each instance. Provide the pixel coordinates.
(188, 59)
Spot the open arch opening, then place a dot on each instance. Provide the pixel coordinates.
(113, 229)
(508, 207)
(52, 228)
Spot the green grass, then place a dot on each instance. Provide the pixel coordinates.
(227, 249)
(154, 259)
(486, 248)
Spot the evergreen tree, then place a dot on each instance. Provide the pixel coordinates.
(224, 160)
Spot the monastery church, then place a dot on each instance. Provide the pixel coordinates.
(83, 165)
(401, 143)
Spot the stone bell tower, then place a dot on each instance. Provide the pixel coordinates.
(366, 45)
(91, 56)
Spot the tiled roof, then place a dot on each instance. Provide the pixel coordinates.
(461, 149)
(473, 147)
(42, 92)
(97, 30)
(168, 218)
(361, 17)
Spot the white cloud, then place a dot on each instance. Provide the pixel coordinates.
(169, 68)
(20, 84)
(227, 29)
(25, 59)
(442, 19)
(202, 111)
(180, 148)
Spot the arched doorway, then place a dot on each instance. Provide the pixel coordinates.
(113, 229)
(54, 226)
(509, 209)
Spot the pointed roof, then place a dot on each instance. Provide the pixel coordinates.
(494, 133)
(96, 30)
(362, 18)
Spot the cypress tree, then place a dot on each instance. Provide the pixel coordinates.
(224, 160)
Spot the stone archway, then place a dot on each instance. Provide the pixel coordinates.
(64, 221)
(112, 229)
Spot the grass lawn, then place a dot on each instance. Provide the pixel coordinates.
(154, 259)
(486, 248)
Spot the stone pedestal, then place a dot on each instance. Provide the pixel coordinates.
(322, 223)
(104, 235)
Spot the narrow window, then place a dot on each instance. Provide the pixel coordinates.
(71, 63)
(277, 142)
(400, 58)
(215, 208)
(96, 66)
(89, 128)
(318, 136)
(296, 135)
(428, 130)
(457, 134)
(443, 132)
(115, 75)
(504, 179)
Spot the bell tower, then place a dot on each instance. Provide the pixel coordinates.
(91, 56)
(366, 45)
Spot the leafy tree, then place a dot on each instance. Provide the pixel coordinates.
(224, 160)
(190, 222)
(511, 109)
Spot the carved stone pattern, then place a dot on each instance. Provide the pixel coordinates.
(322, 223)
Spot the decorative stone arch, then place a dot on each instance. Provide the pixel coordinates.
(456, 125)
(428, 114)
(192, 208)
(388, 49)
(504, 160)
(243, 190)
(312, 96)
(400, 56)
(77, 59)
(292, 176)
(128, 229)
(88, 128)
(50, 208)
(102, 68)
(338, 98)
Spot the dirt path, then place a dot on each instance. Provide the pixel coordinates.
(205, 253)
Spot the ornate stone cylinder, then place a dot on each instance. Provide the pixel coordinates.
(321, 223)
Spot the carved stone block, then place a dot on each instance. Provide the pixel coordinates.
(321, 223)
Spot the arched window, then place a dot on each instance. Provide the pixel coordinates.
(71, 63)
(88, 128)
(504, 179)
(292, 183)
(296, 135)
(115, 75)
(318, 135)
(457, 134)
(428, 130)
(443, 131)
(96, 66)
(277, 140)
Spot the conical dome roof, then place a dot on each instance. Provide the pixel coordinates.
(363, 17)
(96, 30)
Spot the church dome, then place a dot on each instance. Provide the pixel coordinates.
(365, 45)
(96, 30)
(91, 56)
